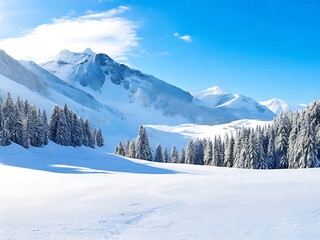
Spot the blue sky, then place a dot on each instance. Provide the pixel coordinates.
(262, 49)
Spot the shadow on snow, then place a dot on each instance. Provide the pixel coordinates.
(80, 160)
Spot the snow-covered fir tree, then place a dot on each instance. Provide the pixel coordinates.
(217, 156)
(77, 131)
(45, 128)
(100, 140)
(228, 156)
(158, 157)
(199, 151)
(174, 158)
(270, 157)
(182, 156)
(190, 157)
(165, 155)
(127, 148)
(207, 159)
(120, 150)
(132, 149)
(116, 150)
(143, 149)
(88, 133)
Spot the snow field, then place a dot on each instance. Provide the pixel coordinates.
(78, 193)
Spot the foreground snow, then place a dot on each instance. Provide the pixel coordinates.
(66, 193)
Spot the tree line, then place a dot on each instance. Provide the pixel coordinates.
(291, 140)
(27, 126)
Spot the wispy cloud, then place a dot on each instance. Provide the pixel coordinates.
(186, 38)
(106, 32)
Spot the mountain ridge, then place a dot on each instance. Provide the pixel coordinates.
(277, 105)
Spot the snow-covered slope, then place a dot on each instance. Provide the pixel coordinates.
(239, 106)
(60, 192)
(14, 70)
(62, 87)
(277, 106)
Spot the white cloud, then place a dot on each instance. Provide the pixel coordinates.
(105, 32)
(186, 38)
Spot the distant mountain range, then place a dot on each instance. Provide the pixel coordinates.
(216, 97)
(241, 106)
(277, 106)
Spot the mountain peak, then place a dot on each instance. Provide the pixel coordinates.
(215, 90)
(89, 51)
(277, 105)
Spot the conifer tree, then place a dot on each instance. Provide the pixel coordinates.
(174, 158)
(158, 155)
(165, 155)
(77, 131)
(44, 121)
(182, 156)
(199, 151)
(100, 140)
(217, 160)
(68, 125)
(10, 117)
(132, 150)
(88, 134)
(61, 130)
(229, 157)
(26, 107)
(121, 149)
(270, 159)
(53, 123)
(94, 136)
(190, 157)
(116, 150)
(143, 149)
(127, 148)
(17, 132)
(208, 153)
(281, 141)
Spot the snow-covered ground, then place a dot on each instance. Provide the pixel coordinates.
(78, 193)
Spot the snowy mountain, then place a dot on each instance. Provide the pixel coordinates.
(110, 81)
(213, 96)
(100, 75)
(277, 105)
(241, 107)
